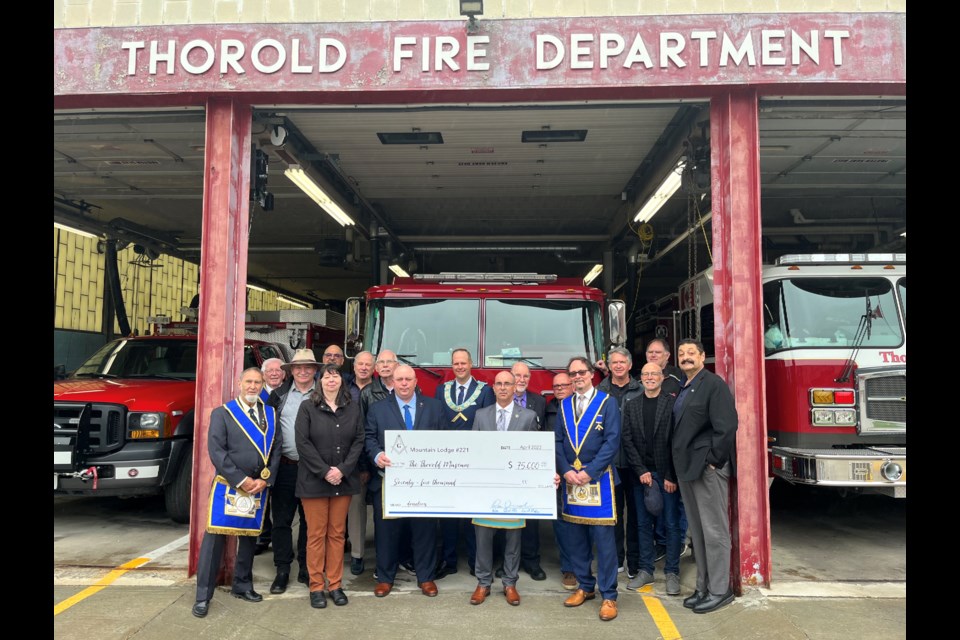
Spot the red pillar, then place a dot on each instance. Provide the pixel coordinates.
(737, 292)
(223, 269)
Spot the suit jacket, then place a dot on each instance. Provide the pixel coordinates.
(232, 453)
(486, 398)
(633, 437)
(600, 447)
(385, 416)
(520, 419)
(705, 427)
(538, 404)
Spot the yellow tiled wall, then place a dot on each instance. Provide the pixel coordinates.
(119, 13)
(161, 289)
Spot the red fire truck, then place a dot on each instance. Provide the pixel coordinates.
(836, 367)
(501, 318)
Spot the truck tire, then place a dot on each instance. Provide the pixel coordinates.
(177, 493)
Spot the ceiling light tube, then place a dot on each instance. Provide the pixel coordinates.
(307, 184)
(663, 193)
(255, 287)
(79, 232)
(590, 277)
(295, 303)
(399, 271)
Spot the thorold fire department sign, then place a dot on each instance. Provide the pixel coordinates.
(655, 51)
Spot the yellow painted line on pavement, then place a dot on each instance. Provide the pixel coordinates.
(112, 577)
(668, 630)
(102, 583)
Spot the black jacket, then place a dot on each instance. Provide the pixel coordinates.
(633, 438)
(634, 389)
(328, 439)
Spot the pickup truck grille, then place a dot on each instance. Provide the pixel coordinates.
(883, 401)
(106, 424)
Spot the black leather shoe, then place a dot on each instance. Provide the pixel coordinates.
(249, 596)
(280, 583)
(339, 597)
(200, 608)
(536, 573)
(499, 572)
(303, 577)
(712, 602)
(693, 600)
(443, 570)
(318, 600)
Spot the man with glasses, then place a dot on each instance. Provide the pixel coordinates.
(587, 439)
(624, 388)
(530, 537)
(273, 377)
(363, 364)
(646, 437)
(562, 388)
(333, 354)
(659, 353)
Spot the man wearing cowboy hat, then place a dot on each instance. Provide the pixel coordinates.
(286, 400)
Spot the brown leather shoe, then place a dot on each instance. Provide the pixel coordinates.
(428, 588)
(382, 589)
(608, 610)
(510, 593)
(479, 595)
(579, 597)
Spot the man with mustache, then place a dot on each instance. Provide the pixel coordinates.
(704, 441)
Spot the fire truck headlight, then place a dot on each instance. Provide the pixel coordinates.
(824, 417)
(145, 425)
(845, 417)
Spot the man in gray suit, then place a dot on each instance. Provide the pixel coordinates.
(704, 444)
(504, 415)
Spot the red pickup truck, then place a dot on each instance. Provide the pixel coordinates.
(123, 421)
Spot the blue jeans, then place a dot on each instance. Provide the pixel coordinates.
(660, 533)
(646, 524)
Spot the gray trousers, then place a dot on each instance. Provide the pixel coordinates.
(708, 525)
(511, 556)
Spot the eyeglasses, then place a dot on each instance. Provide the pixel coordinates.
(504, 384)
(651, 374)
(561, 386)
(338, 356)
(581, 372)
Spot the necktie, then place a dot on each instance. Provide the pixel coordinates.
(460, 395)
(407, 418)
(521, 400)
(256, 420)
(502, 420)
(581, 401)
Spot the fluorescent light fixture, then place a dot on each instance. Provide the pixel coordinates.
(79, 232)
(295, 303)
(399, 271)
(255, 287)
(663, 193)
(590, 277)
(903, 235)
(300, 178)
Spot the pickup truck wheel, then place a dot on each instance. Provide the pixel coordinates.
(177, 493)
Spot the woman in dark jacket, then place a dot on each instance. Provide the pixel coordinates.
(329, 436)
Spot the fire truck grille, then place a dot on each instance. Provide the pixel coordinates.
(884, 403)
(106, 424)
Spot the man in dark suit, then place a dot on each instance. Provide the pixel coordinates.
(530, 537)
(646, 438)
(243, 441)
(587, 441)
(405, 409)
(460, 399)
(504, 415)
(704, 441)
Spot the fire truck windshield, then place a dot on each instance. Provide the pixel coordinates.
(541, 333)
(827, 312)
(143, 358)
